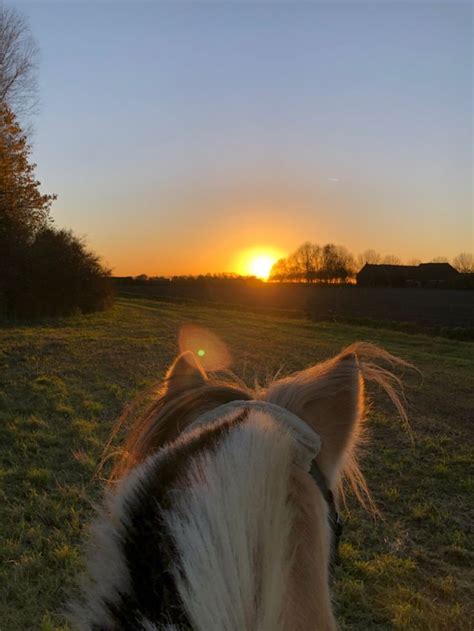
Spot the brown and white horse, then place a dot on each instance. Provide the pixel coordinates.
(224, 514)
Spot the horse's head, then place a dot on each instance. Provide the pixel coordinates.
(329, 397)
(219, 467)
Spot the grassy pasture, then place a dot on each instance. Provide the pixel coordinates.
(63, 384)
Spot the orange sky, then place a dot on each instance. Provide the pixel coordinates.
(213, 231)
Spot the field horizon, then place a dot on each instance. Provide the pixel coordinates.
(63, 384)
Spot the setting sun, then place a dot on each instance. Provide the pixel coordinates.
(257, 262)
(261, 266)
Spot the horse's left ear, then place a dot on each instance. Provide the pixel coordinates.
(330, 398)
(185, 373)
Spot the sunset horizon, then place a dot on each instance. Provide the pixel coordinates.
(248, 125)
(260, 263)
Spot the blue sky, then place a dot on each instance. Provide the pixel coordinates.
(178, 134)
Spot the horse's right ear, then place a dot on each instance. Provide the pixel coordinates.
(330, 398)
(185, 373)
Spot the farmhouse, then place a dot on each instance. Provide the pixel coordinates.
(422, 275)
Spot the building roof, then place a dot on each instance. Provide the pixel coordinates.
(421, 272)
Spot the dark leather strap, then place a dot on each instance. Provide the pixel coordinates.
(335, 520)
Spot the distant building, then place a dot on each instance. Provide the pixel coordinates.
(422, 275)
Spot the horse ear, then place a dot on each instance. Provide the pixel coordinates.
(186, 372)
(330, 398)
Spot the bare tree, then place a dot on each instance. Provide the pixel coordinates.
(337, 264)
(391, 259)
(440, 259)
(368, 256)
(414, 261)
(280, 270)
(306, 260)
(347, 263)
(18, 62)
(464, 263)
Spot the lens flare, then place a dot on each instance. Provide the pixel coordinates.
(211, 350)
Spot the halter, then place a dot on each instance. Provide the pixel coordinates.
(308, 444)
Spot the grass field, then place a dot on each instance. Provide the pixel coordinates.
(63, 384)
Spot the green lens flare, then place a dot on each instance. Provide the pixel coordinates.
(201, 352)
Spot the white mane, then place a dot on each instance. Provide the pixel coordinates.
(232, 529)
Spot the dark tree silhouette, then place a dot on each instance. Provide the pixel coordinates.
(337, 264)
(60, 276)
(23, 208)
(305, 261)
(42, 271)
(312, 263)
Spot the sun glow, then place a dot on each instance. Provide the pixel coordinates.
(257, 262)
(261, 266)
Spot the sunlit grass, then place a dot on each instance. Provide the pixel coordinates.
(63, 384)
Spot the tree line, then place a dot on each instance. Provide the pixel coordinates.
(312, 263)
(44, 271)
(215, 278)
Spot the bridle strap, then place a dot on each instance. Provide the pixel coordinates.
(335, 520)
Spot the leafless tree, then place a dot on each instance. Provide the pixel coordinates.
(414, 261)
(338, 264)
(281, 270)
(439, 259)
(18, 63)
(391, 259)
(464, 263)
(306, 259)
(368, 256)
